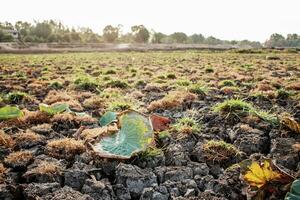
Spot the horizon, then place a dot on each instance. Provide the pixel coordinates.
(224, 20)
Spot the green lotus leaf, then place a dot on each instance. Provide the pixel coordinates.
(107, 118)
(55, 109)
(135, 135)
(10, 112)
(294, 193)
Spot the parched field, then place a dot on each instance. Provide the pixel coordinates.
(226, 109)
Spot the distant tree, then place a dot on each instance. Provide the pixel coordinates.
(23, 28)
(213, 41)
(42, 31)
(276, 40)
(196, 39)
(179, 37)
(126, 38)
(293, 40)
(110, 33)
(140, 33)
(75, 37)
(157, 37)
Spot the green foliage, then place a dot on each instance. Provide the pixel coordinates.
(55, 109)
(107, 118)
(10, 112)
(135, 135)
(294, 193)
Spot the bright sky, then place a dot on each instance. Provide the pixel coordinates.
(224, 19)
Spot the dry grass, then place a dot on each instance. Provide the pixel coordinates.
(173, 100)
(94, 102)
(35, 117)
(19, 159)
(28, 136)
(45, 168)
(293, 86)
(6, 140)
(65, 148)
(3, 171)
(55, 96)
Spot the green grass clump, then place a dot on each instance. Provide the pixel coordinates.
(150, 152)
(227, 83)
(239, 107)
(183, 82)
(16, 97)
(56, 85)
(110, 71)
(234, 106)
(219, 150)
(86, 83)
(209, 70)
(164, 134)
(187, 125)
(283, 94)
(117, 84)
(171, 76)
(119, 106)
(198, 88)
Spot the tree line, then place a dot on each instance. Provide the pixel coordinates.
(53, 31)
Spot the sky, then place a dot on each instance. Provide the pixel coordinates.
(224, 19)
